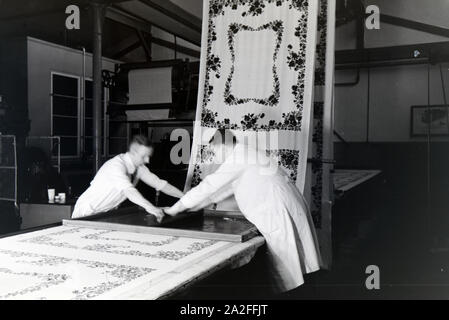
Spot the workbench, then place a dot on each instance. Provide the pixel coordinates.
(74, 262)
(44, 213)
(345, 180)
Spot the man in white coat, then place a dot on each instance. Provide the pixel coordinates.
(116, 180)
(267, 198)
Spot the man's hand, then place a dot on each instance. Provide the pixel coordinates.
(170, 211)
(175, 209)
(157, 212)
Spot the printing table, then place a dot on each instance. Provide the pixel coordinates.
(345, 180)
(81, 262)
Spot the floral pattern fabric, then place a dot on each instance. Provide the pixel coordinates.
(256, 77)
(81, 263)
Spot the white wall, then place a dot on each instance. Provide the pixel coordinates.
(351, 106)
(392, 92)
(44, 58)
(385, 116)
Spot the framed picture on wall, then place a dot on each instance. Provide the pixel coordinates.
(433, 119)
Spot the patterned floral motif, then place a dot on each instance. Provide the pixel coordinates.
(122, 249)
(317, 138)
(205, 155)
(122, 274)
(255, 7)
(273, 99)
(47, 280)
(296, 60)
(288, 159)
(48, 241)
(94, 291)
(196, 177)
(214, 64)
(291, 120)
(321, 45)
(100, 236)
(165, 254)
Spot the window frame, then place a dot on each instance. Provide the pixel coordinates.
(52, 95)
(81, 117)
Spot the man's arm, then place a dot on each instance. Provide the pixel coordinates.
(154, 181)
(217, 197)
(219, 180)
(175, 209)
(136, 197)
(172, 191)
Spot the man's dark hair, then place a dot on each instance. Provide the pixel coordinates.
(142, 140)
(222, 136)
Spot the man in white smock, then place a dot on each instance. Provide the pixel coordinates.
(116, 180)
(267, 198)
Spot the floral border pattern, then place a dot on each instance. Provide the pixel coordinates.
(121, 249)
(288, 159)
(317, 137)
(205, 155)
(296, 61)
(122, 273)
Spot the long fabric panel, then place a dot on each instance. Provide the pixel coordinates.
(256, 78)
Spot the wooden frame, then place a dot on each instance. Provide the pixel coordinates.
(242, 237)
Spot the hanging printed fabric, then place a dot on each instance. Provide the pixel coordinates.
(317, 135)
(256, 78)
(318, 187)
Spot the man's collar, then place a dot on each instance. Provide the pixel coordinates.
(130, 167)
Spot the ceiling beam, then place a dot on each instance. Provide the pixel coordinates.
(160, 42)
(175, 12)
(415, 25)
(114, 48)
(127, 19)
(127, 50)
(168, 23)
(176, 47)
(435, 52)
(137, 23)
(144, 44)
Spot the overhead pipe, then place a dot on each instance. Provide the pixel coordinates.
(382, 63)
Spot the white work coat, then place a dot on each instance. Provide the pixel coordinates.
(106, 191)
(268, 199)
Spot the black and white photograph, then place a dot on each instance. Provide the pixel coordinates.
(224, 150)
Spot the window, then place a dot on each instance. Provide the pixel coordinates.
(72, 120)
(88, 123)
(65, 112)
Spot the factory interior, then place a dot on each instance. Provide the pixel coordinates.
(73, 98)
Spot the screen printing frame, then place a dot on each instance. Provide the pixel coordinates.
(96, 222)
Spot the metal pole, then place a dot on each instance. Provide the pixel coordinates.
(98, 15)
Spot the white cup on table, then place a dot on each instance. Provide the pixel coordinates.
(51, 195)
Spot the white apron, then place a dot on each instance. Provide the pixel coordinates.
(272, 203)
(276, 207)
